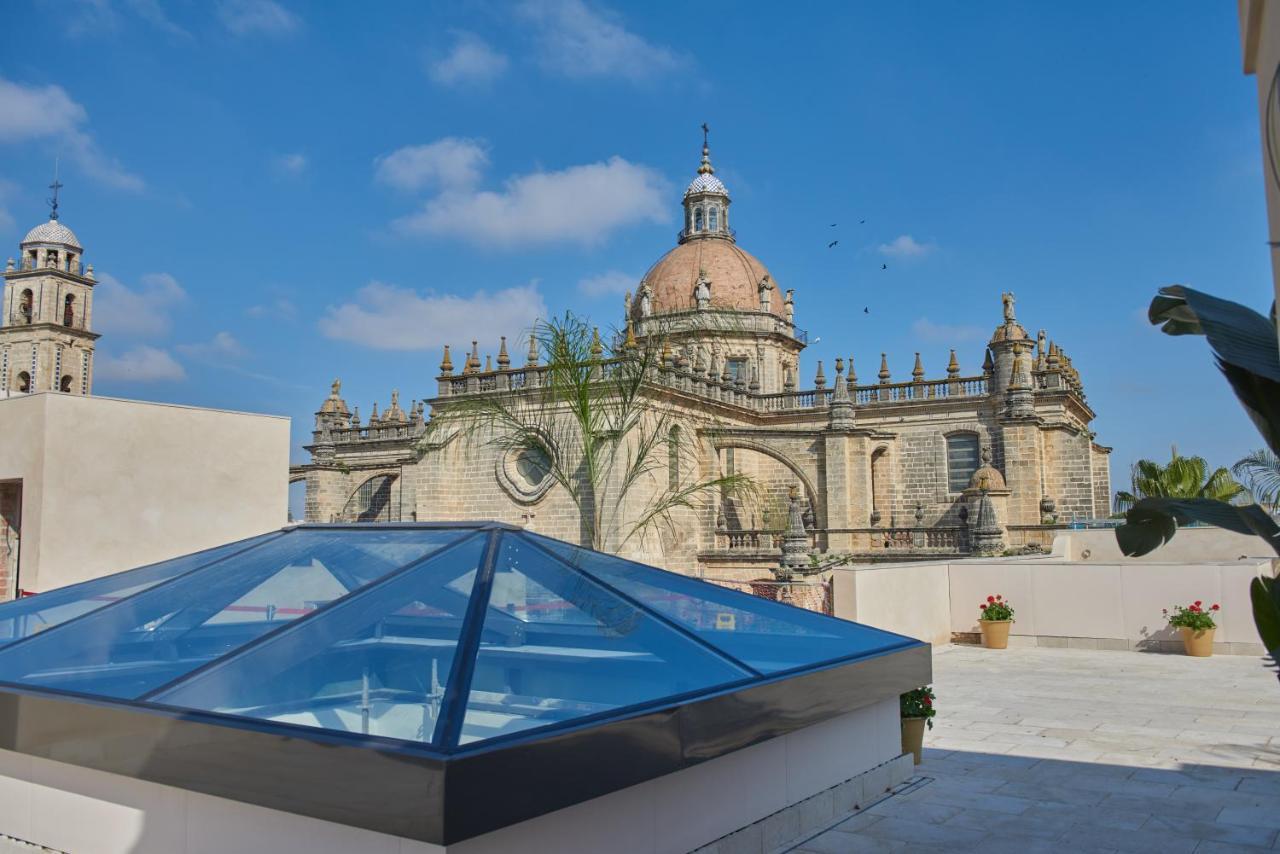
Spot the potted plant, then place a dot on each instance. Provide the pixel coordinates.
(1196, 625)
(917, 713)
(995, 619)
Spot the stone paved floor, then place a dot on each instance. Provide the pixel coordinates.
(1039, 749)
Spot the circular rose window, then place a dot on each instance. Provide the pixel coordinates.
(525, 473)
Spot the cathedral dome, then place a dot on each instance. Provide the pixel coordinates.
(706, 183)
(734, 274)
(52, 232)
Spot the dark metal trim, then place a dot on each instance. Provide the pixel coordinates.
(453, 706)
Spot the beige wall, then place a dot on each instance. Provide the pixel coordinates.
(1188, 545)
(1260, 42)
(113, 484)
(1098, 605)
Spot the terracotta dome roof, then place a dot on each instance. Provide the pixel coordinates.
(734, 274)
(52, 232)
(1010, 330)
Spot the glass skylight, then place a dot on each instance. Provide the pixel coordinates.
(449, 638)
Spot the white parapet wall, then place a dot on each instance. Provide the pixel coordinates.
(1092, 604)
(111, 484)
(764, 795)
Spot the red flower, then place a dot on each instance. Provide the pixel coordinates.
(1214, 608)
(991, 598)
(928, 702)
(998, 596)
(1197, 602)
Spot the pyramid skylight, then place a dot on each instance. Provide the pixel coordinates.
(439, 641)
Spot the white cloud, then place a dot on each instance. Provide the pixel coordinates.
(578, 41)
(250, 17)
(279, 308)
(48, 112)
(222, 346)
(471, 61)
(153, 13)
(927, 330)
(579, 204)
(905, 246)
(141, 312)
(610, 282)
(142, 364)
(388, 317)
(449, 163)
(291, 164)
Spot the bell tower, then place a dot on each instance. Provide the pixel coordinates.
(46, 337)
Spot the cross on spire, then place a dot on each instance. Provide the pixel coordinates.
(55, 186)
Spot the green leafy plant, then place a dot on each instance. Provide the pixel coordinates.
(1193, 616)
(1245, 347)
(918, 703)
(996, 608)
(1182, 477)
(1260, 472)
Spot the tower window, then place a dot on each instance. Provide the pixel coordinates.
(962, 460)
(24, 306)
(68, 310)
(673, 458)
(713, 219)
(697, 220)
(65, 385)
(24, 381)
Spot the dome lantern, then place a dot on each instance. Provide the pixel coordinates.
(706, 201)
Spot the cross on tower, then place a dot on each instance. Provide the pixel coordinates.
(705, 131)
(55, 186)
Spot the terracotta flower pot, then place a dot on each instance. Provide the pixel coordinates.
(1199, 644)
(995, 633)
(913, 736)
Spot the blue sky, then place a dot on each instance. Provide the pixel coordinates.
(277, 193)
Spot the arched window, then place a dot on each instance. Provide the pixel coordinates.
(371, 502)
(962, 460)
(25, 305)
(65, 385)
(68, 310)
(24, 381)
(673, 457)
(697, 219)
(713, 219)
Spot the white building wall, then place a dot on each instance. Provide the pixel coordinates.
(113, 484)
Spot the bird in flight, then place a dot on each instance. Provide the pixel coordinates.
(834, 224)
(862, 222)
(866, 311)
(884, 266)
(832, 244)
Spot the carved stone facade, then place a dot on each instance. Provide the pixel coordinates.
(883, 469)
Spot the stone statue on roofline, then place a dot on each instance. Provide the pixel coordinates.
(1008, 300)
(702, 291)
(766, 292)
(646, 300)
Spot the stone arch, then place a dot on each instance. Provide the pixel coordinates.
(815, 498)
(375, 499)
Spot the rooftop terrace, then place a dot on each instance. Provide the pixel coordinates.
(1039, 749)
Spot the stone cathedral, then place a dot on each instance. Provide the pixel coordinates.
(967, 462)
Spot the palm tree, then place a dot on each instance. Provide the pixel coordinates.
(1260, 472)
(595, 426)
(1182, 477)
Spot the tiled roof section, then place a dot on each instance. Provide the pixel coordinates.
(734, 275)
(52, 232)
(706, 183)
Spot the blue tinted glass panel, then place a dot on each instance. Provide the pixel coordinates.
(375, 663)
(769, 636)
(143, 642)
(557, 646)
(45, 610)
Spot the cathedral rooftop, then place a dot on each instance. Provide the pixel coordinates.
(734, 275)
